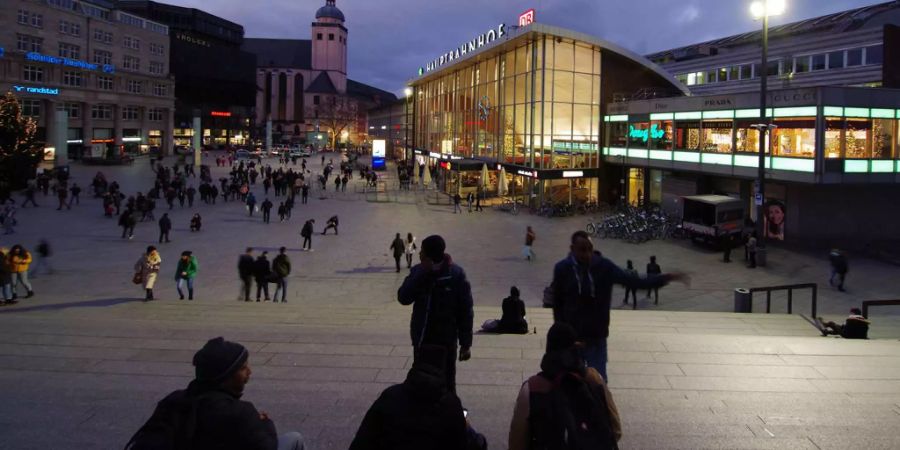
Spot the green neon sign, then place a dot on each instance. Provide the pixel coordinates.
(646, 134)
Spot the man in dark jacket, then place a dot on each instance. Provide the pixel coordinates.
(266, 210)
(306, 232)
(442, 305)
(245, 271)
(261, 272)
(420, 413)
(165, 225)
(399, 248)
(223, 420)
(582, 287)
(654, 269)
(281, 267)
(332, 223)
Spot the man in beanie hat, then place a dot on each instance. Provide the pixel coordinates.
(442, 305)
(535, 424)
(420, 413)
(855, 327)
(210, 414)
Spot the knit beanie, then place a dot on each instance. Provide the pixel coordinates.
(433, 247)
(219, 359)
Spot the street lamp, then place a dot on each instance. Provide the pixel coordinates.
(763, 9)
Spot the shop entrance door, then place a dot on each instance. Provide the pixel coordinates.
(636, 187)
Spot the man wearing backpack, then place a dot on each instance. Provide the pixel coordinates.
(566, 405)
(210, 414)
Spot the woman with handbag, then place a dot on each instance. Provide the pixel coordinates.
(146, 269)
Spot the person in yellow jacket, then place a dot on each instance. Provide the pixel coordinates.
(17, 262)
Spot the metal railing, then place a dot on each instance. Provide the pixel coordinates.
(790, 296)
(866, 304)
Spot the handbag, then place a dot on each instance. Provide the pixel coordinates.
(137, 278)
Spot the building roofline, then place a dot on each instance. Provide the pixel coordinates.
(539, 28)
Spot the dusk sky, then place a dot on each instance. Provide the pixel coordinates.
(390, 39)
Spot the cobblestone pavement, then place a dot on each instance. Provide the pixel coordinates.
(84, 361)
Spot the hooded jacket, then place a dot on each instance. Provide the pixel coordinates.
(444, 299)
(421, 413)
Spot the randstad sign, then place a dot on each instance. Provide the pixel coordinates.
(645, 134)
(36, 90)
(34, 56)
(468, 47)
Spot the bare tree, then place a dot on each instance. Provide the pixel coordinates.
(335, 114)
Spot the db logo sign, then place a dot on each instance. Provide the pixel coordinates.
(526, 18)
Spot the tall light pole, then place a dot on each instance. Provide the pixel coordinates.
(763, 9)
(408, 92)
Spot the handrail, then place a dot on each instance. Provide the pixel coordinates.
(866, 304)
(790, 288)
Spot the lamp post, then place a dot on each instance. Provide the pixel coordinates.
(763, 9)
(408, 92)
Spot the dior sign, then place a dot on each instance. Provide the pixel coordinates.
(466, 48)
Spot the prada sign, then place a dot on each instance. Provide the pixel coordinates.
(466, 48)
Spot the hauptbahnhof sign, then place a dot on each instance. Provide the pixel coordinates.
(468, 47)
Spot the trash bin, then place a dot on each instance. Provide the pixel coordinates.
(742, 302)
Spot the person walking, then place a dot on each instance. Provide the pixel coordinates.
(456, 200)
(62, 193)
(631, 272)
(398, 248)
(251, 203)
(191, 192)
(30, 190)
(147, 269)
(165, 225)
(751, 249)
(528, 250)
(653, 269)
(582, 289)
(262, 272)
(478, 195)
(6, 278)
(410, 249)
(470, 198)
(128, 221)
(304, 193)
(839, 268)
(245, 272)
(266, 210)
(281, 268)
(306, 232)
(18, 260)
(442, 306)
(43, 259)
(196, 222)
(332, 223)
(185, 273)
(76, 192)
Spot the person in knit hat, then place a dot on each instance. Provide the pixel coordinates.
(222, 420)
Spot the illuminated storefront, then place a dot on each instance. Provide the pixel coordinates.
(528, 101)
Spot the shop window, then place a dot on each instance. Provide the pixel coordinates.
(638, 135)
(858, 138)
(883, 134)
(747, 138)
(834, 130)
(854, 57)
(875, 54)
(661, 135)
(818, 62)
(687, 135)
(717, 136)
(617, 134)
(795, 138)
(836, 60)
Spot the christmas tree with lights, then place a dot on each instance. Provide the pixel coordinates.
(19, 150)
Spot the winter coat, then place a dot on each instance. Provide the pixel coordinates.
(421, 413)
(224, 421)
(189, 267)
(281, 265)
(165, 224)
(442, 297)
(398, 247)
(148, 266)
(513, 319)
(307, 230)
(584, 305)
(261, 269)
(245, 266)
(18, 263)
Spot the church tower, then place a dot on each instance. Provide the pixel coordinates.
(329, 45)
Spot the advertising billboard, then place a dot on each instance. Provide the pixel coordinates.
(378, 153)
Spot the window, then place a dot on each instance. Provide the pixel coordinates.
(801, 64)
(638, 134)
(711, 76)
(103, 112)
(68, 5)
(318, 36)
(157, 49)
(315, 99)
(32, 73)
(26, 17)
(31, 108)
(93, 11)
(687, 135)
(155, 115)
(131, 63)
(834, 135)
(73, 78)
(130, 113)
(102, 57)
(131, 42)
(836, 60)
(103, 36)
(618, 134)
(747, 138)
(854, 57)
(330, 36)
(128, 19)
(160, 90)
(734, 73)
(70, 51)
(875, 54)
(723, 74)
(818, 62)
(105, 83)
(26, 43)
(867, 138)
(717, 136)
(135, 87)
(661, 135)
(70, 28)
(746, 71)
(156, 67)
(795, 137)
(696, 78)
(72, 108)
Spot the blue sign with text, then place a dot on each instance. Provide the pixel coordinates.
(34, 56)
(36, 90)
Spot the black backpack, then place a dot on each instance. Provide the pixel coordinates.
(572, 415)
(171, 427)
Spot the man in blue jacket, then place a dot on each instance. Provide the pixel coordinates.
(582, 287)
(442, 305)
